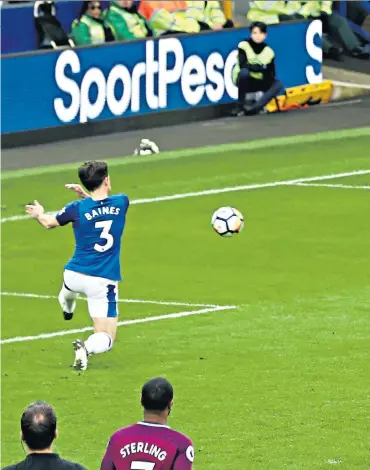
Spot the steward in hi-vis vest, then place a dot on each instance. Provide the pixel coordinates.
(208, 14)
(255, 71)
(91, 28)
(271, 12)
(126, 21)
(168, 17)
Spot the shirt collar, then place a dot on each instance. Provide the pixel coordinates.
(37, 455)
(153, 425)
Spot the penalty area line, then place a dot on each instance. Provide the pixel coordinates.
(20, 339)
(209, 192)
(127, 301)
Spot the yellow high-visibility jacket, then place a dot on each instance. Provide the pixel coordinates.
(163, 16)
(269, 11)
(265, 57)
(126, 25)
(266, 11)
(209, 12)
(87, 30)
(314, 9)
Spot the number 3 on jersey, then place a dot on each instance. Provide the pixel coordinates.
(136, 465)
(105, 225)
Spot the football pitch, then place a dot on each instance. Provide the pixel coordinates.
(265, 335)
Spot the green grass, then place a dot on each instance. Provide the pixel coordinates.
(279, 383)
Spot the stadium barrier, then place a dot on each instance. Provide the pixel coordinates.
(64, 94)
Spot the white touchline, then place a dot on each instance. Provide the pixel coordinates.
(19, 339)
(128, 301)
(319, 185)
(209, 192)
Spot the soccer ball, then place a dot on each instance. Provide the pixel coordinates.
(227, 221)
(147, 147)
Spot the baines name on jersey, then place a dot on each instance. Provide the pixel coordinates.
(102, 211)
(141, 447)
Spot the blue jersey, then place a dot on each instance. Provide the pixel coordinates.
(98, 227)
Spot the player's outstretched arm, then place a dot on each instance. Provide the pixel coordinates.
(37, 212)
(77, 188)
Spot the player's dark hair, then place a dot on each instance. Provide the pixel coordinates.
(38, 424)
(156, 394)
(92, 174)
(260, 25)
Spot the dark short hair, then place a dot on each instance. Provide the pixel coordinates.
(260, 25)
(92, 174)
(156, 394)
(86, 5)
(38, 424)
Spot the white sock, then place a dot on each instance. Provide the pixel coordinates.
(67, 300)
(99, 343)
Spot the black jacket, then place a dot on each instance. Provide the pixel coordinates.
(45, 462)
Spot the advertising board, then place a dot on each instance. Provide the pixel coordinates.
(74, 86)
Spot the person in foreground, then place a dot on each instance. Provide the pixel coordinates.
(255, 71)
(38, 431)
(94, 270)
(150, 444)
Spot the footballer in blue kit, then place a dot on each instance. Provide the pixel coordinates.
(98, 222)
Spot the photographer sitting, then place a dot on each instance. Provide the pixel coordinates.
(255, 72)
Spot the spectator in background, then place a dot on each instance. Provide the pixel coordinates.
(38, 431)
(209, 14)
(126, 21)
(91, 28)
(335, 27)
(168, 17)
(357, 12)
(321, 10)
(254, 72)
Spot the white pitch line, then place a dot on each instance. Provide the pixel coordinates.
(319, 185)
(19, 339)
(128, 301)
(209, 192)
(350, 85)
(342, 103)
